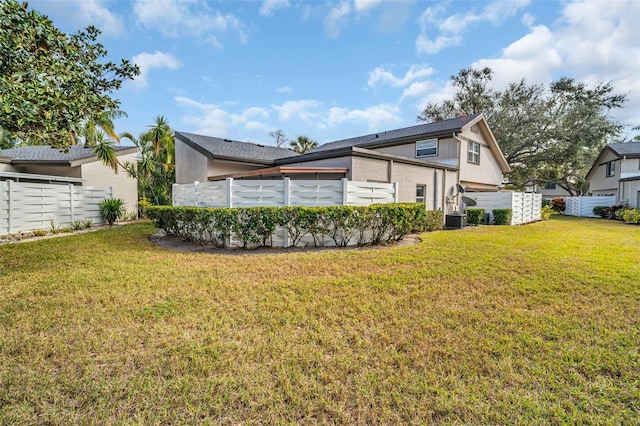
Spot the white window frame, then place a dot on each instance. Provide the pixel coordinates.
(421, 198)
(473, 155)
(425, 142)
(611, 169)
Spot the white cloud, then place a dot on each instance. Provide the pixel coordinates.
(303, 110)
(376, 117)
(425, 45)
(380, 76)
(417, 89)
(451, 28)
(284, 89)
(82, 14)
(148, 61)
(360, 5)
(187, 19)
(336, 19)
(268, 7)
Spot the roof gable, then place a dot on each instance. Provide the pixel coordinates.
(625, 149)
(234, 150)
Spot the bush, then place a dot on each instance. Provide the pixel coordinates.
(475, 216)
(600, 211)
(255, 226)
(547, 212)
(112, 210)
(558, 204)
(612, 212)
(502, 216)
(631, 216)
(546, 202)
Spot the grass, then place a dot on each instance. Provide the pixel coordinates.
(532, 324)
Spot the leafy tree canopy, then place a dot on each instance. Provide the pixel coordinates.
(51, 83)
(548, 133)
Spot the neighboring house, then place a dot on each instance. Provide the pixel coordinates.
(426, 161)
(616, 171)
(36, 163)
(551, 190)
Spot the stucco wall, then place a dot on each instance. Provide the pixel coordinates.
(191, 165)
(221, 167)
(4, 167)
(599, 182)
(73, 172)
(98, 175)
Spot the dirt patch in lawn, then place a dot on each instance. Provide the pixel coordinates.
(177, 244)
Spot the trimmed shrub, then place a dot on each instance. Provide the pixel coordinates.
(546, 202)
(112, 210)
(547, 212)
(558, 204)
(631, 216)
(475, 216)
(600, 211)
(255, 226)
(502, 216)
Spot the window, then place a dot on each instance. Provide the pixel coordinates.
(421, 191)
(427, 148)
(473, 153)
(551, 185)
(611, 168)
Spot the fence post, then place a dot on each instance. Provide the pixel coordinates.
(195, 193)
(286, 182)
(229, 192)
(395, 192)
(71, 209)
(345, 191)
(10, 218)
(173, 194)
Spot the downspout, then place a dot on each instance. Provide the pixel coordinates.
(459, 146)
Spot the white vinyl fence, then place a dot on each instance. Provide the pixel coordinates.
(526, 207)
(25, 207)
(583, 206)
(286, 192)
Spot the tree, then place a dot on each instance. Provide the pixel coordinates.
(6, 140)
(548, 133)
(155, 168)
(279, 138)
(51, 83)
(303, 144)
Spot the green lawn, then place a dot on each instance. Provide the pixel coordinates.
(532, 324)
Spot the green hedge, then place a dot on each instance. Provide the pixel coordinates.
(502, 216)
(631, 216)
(475, 216)
(254, 226)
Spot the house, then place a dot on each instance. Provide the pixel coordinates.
(427, 160)
(616, 171)
(79, 165)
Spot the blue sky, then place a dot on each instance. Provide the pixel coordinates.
(336, 69)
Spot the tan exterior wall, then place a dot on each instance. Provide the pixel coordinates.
(4, 167)
(343, 162)
(98, 175)
(447, 150)
(73, 172)
(371, 169)
(191, 165)
(487, 172)
(220, 167)
(599, 182)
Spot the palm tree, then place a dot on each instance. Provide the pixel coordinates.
(160, 132)
(104, 150)
(101, 121)
(303, 144)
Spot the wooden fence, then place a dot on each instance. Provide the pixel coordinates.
(525, 207)
(25, 207)
(286, 192)
(583, 206)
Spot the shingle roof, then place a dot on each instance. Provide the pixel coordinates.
(46, 153)
(227, 148)
(449, 125)
(628, 148)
